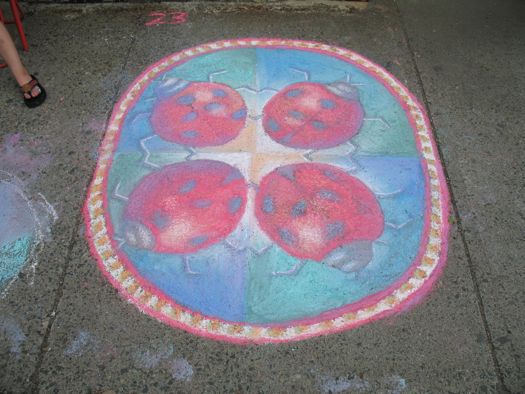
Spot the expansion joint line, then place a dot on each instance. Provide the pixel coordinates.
(44, 346)
(474, 278)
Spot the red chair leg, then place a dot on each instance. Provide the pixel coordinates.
(17, 17)
(19, 10)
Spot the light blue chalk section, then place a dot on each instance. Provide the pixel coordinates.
(216, 290)
(317, 288)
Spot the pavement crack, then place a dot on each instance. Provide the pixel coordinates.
(35, 376)
(44, 346)
(461, 231)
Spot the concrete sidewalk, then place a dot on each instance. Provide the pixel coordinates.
(64, 328)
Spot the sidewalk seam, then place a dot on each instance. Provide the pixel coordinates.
(34, 379)
(455, 209)
(35, 376)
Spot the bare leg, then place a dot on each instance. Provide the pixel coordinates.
(10, 55)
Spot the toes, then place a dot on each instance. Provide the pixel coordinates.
(35, 92)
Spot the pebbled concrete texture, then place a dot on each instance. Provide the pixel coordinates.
(77, 334)
(67, 128)
(472, 69)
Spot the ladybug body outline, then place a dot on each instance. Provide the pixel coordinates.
(313, 115)
(315, 210)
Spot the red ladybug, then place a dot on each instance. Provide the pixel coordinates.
(185, 207)
(198, 114)
(314, 211)
(309, 115)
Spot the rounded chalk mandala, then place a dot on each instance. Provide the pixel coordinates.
(267, 190)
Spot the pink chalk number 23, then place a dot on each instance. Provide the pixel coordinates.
(166, 18)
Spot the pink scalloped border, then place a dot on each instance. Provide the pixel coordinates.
(326, 316)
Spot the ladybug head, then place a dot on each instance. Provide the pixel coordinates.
(170, 87)
(344, 90)
(351, 257)
(138, 236)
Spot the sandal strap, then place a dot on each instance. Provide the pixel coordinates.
(28, 87)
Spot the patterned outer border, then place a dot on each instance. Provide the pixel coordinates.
(408, 290)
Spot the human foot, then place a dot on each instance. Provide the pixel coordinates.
(34, 93)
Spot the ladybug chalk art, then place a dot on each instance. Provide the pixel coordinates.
(317, 211)
(268, 190)
(197, 114)
(184, 207)
(310, 115)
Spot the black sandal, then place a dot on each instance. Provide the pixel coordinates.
(33, 101)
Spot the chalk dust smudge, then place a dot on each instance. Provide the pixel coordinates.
(181, 369)
(10, 329)
(148, 359)
(86, 342)
(78, 345)
(161, 357)
(328, 383)
(24, 158)
(395, 384)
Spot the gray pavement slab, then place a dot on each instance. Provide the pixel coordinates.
(77, 334)
(53, 155)
(471, 60)
(440, 345)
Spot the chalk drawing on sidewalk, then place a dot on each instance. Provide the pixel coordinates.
(262, 190)
(24, 224)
